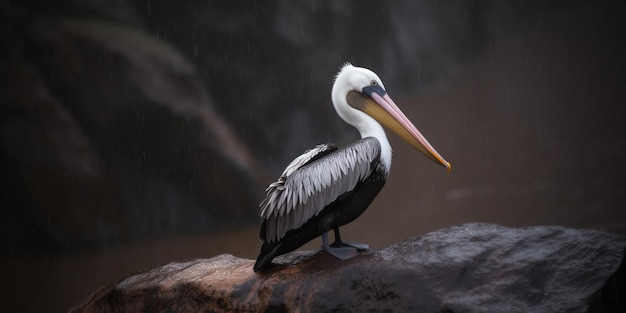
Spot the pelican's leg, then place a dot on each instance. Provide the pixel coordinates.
(339, 243)
(342, 253)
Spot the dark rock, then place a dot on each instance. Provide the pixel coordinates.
(109, 135)
(467, 268)
(52, 170)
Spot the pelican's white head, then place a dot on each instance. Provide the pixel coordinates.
(360, 99)
(352, 78)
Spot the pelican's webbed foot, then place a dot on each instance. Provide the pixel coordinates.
(340, 243)
(340, 249)
(342, 252)
(358, 245)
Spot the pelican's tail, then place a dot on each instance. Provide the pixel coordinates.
(268, 252)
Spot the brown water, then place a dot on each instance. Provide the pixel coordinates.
(535, 133)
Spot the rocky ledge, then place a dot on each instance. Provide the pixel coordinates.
(466, 268)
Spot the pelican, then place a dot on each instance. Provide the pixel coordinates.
(328, 187)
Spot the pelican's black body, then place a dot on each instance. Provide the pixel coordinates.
(342, 211)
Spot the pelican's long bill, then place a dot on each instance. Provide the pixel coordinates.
(377, 104)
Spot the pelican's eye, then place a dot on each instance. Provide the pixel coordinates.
(374, 83)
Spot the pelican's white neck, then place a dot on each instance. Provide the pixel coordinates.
(373, 129)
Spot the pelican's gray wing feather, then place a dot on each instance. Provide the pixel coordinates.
(311, 182)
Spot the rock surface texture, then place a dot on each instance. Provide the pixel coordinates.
(466, 268)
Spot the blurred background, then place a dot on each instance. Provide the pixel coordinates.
(134, 133)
